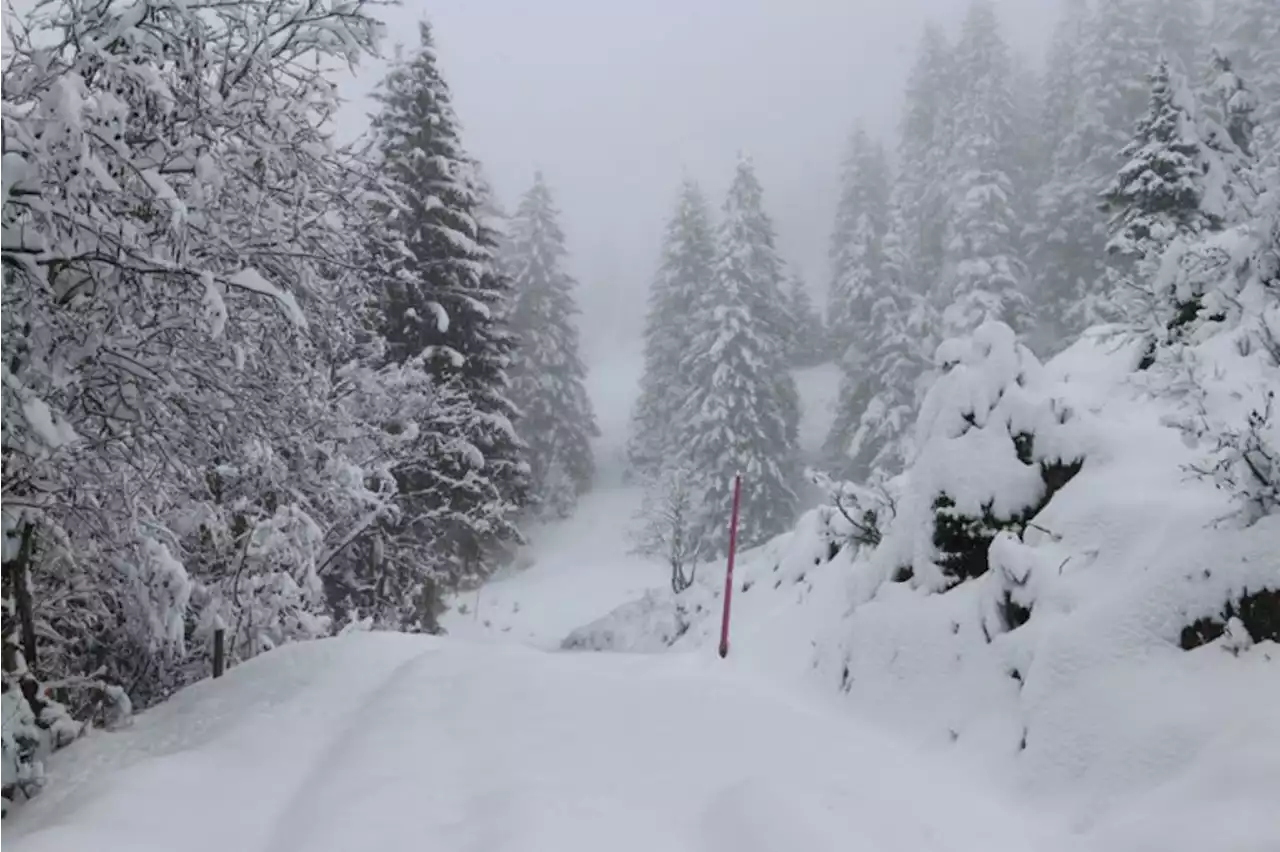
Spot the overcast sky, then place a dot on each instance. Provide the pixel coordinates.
(615, 100)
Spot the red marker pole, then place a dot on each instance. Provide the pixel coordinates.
(728, 576)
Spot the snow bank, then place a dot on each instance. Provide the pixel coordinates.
(1051, 555)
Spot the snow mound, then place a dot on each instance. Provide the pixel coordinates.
(1055, 593)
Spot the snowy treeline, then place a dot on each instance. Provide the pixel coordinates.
(253, 381)
(1018, 194)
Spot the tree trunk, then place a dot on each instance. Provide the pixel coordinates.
(17, 577)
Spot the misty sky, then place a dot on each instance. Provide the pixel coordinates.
(614, 101)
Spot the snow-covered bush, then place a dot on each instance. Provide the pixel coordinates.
(992, 450)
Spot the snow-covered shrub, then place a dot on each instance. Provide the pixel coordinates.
(992, 450)
(865, 509)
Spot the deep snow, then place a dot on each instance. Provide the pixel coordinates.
(1090, 709)
(852, 712)
(371, 742)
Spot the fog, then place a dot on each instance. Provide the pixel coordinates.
(615, 101)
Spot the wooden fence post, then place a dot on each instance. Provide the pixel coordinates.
(219, 652)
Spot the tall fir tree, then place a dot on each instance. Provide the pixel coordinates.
(1031, 151)
(448, 304)
(857, 239)
(859, 276)
(1119, 53)
(985, 277)
(900, 324)
(807, 337)
(548, 376)
(1160, 195)
(740, 413)
(921, 192)
(1108, 53)
(686, 268)
(1064, 235)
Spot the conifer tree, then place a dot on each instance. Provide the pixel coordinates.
(1065, 235)
(859, 279)
(1159, 194)
(1108, 53)
(985, 276)
(449, 311)
(1234, 104)
(685, 270)
(879, 377)
(557, 422)
(921, 191)
(807, 341)
(857, 240)
(740, 414)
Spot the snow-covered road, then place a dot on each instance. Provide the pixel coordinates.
(382, 742)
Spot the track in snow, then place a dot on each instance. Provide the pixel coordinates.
(406, 742)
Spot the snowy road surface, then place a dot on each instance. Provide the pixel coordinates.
(384, 742)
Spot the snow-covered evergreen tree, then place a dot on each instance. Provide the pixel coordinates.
(807, 339)
(859, 279)
(984, 276)
(557, 420)
(1159, 192)
(1094, 95)
(1065, 235)
(921, 189)
(1247, 32)
(1234, 104)
(878, 389)
(451, 315)
(857, 239)
(685, 270)
(740, 412)
(1176, 184)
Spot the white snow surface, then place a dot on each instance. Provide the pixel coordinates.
(852, 712)
(376, 741)
(1090, 710)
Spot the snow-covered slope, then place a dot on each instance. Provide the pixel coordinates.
(1056, 663)
(382, 742)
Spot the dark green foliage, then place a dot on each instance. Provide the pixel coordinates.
(963, 541)
(1013, 615)
(446, 305)
(1258, 611)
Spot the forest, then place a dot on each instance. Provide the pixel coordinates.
(262, 385)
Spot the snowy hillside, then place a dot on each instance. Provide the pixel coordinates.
(395, 742)
(1056, 661)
